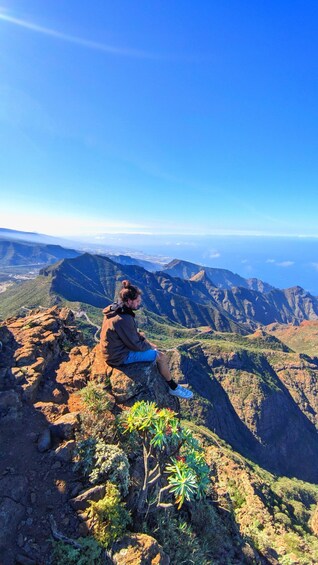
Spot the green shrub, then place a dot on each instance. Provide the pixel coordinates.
(179, 540)
(99, 425)
(109, 516)
(95, 397)
(237, 495)
(208, 526)
(100, 461)
(96, 419)
(85, 452)
(90, 553)
(283, 519)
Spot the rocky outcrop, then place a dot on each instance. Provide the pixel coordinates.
(264, 403)
(42, 367)
(32, 345)
(141, 549)
(141, 382)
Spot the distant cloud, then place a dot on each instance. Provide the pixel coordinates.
(182, 243)
(314, 265)
(285, 264)
(280, 263)
(119, 51)
(214, 254)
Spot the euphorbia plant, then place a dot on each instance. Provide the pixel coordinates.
(174, 464)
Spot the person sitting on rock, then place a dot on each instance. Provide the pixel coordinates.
(122, 343)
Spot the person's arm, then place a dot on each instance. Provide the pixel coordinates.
(143, 337)
(127, 331)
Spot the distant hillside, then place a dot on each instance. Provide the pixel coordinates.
(23, 253)
(6, 232)
(128, 260)
(302, 338)
(257, 396)
(221, 278)
(25, 236)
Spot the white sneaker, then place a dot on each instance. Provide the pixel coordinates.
(181, 392)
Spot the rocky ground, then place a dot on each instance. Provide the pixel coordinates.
(254, 516)
(42, 366)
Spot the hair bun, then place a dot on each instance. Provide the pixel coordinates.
(126, 284)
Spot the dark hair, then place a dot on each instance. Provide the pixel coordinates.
(129, 291)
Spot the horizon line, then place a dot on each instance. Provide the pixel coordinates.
(158, 233)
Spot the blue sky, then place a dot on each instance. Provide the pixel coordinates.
(159, 117)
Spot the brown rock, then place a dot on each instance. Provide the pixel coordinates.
(83, 529)
(141, 549)
(74, 373)
(18, 374)
(58, 395)
(65, 452)
(33, 381)
(141, 381)
(65, 426)
(50, 410)
(67, 316)
(99, 370)
(81, 502)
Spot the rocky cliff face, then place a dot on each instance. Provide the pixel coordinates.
(42, 366)
(262, 403)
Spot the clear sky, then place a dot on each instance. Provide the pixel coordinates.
(159, 116)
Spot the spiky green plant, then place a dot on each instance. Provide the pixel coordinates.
(173, 460)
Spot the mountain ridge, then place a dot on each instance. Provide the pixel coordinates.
(222, 278)
(96, 280)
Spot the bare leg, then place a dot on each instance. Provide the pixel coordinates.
(163, 366)
(175, 390)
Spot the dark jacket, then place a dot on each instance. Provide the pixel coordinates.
(120, 335)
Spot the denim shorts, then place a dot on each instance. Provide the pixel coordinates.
(141, 356)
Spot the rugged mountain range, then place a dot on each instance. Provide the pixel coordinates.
(221, 278)
(95, 280)
(127, 260)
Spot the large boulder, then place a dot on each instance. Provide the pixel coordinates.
(141, 549)
(141, 381)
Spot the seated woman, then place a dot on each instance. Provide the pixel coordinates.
(122, 343)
